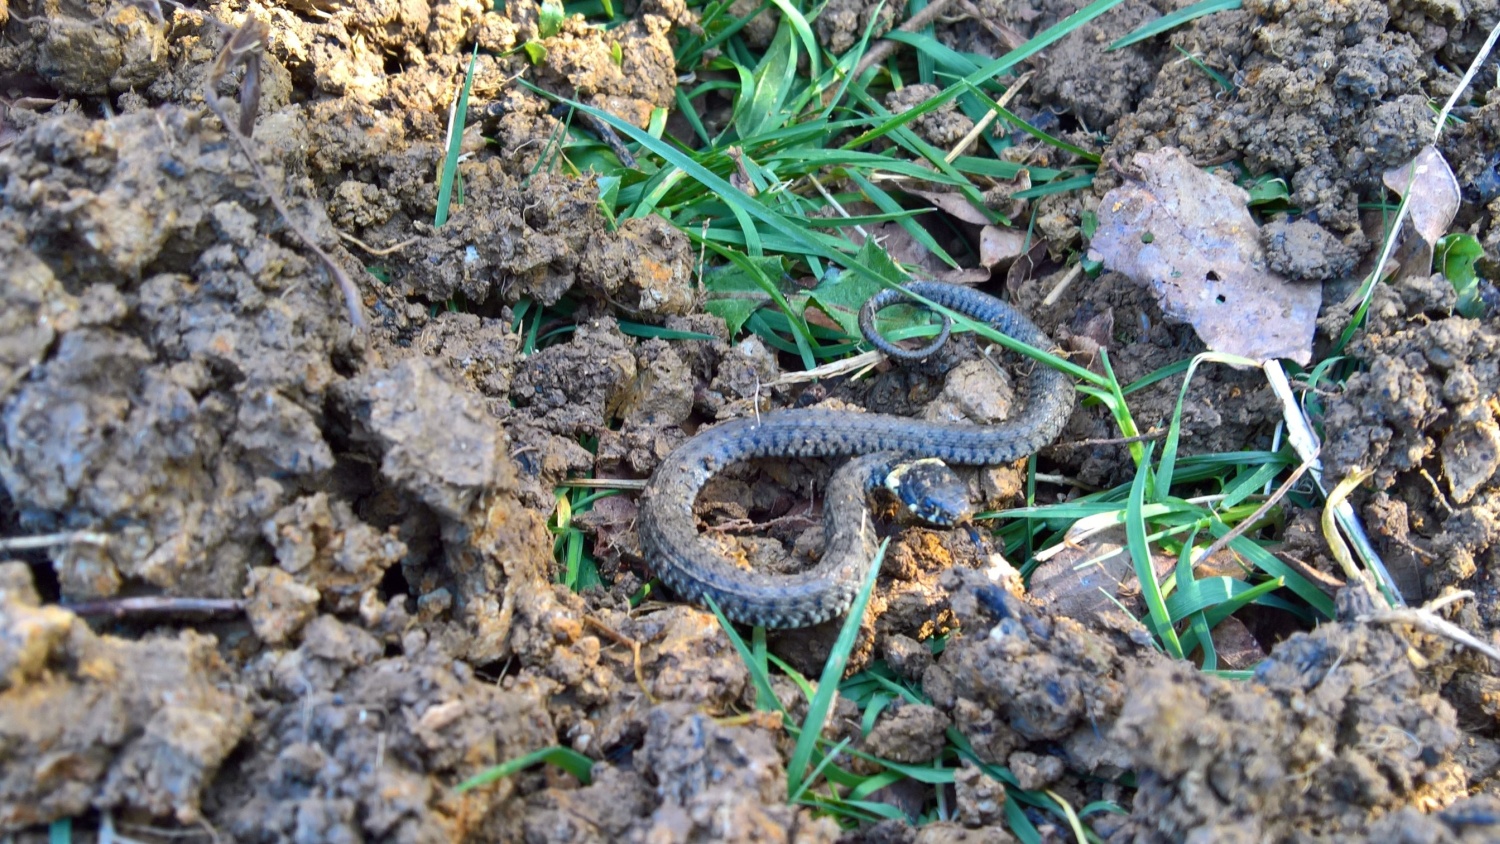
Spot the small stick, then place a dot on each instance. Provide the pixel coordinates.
(1062, 285)
(886, 46)
(245, 45)
(395, 247)
(1149, 436)
(48, 540)
(625, 641)
(156, 605)
(1426, 619)
(1239, 529)
(604, 483)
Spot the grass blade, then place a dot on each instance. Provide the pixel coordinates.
(455, 146)
(1140, 554)
(828, 683)
(1174, 20)
(569, 760)
(765, 697)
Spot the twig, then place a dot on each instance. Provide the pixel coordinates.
(48, 540)
(624, 641)
(157, 605)
(885, 46)
(1239, 529)
(989, 117)
(835, 204)
(1425, 618)
(858, 362)
(604, 483)
(245, 46)
(1149, 436)
(1008, 37)
(1057, 289)
(396, 247)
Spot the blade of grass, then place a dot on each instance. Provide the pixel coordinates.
(805, 342)
(886, 203)
(828, 683)
(1140, 554)
(793, 16)
(1268, 563)
(1174, 20)
(765, 696)
(1218, 78)
(1036, 44)
(1055, 186)
(575, 763)
(819, 769)
(1189, 592)
(1174, 430)
(640, 329)
(774, 79)
(455, 145)
(1016, 121)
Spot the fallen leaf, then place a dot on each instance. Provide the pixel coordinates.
(1431, 193)
(904, 249)
(1432, 200)
(1000, 246)
(1022, 268)
(1190, 237)
(952, 203)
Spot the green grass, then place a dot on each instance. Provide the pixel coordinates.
(765, 196)
(449, 177)
(572, 761)
(1175, 19)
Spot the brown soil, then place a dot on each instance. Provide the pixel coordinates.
(178, 374)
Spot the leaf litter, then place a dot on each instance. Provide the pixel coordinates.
(1189, 236)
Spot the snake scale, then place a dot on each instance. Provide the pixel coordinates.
(693, 568)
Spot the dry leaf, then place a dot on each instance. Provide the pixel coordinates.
(1434, 197)
(952, 203)
(1190, 237)
(999, 246)
(904, 249)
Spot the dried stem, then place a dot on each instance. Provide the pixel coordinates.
(245, 46)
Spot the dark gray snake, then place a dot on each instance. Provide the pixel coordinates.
(694, 569)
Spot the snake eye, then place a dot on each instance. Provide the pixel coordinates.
(931, 492)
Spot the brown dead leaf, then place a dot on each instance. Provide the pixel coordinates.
(1022, 268)
(952, 203)
(612, 521)
(1434, 197)
(1190, 237)
(1085, 580)
(1430, 207)
(999, 246)
(904, 249)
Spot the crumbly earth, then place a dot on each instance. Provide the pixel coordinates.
(345, 532)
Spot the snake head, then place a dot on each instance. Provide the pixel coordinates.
(931, 492)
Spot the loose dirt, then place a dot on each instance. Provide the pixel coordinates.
(369, 510)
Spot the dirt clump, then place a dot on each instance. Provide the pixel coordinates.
(703, 782)
(1425, 406)
(351, 743)
(99, 723)
(1339, 726)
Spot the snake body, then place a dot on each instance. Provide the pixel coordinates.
(694, 569)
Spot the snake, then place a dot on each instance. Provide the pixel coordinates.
(882, 445)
